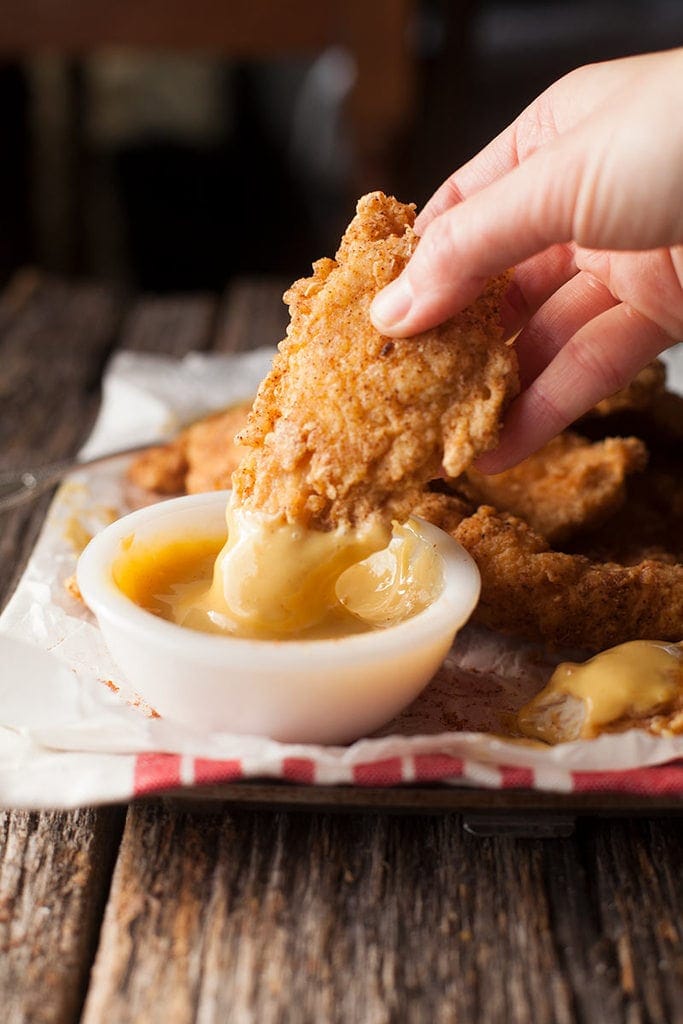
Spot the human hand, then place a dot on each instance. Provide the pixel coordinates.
(583, 193)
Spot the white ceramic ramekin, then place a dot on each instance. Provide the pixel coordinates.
(306, 691)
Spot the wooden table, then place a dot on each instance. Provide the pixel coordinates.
(166, 912)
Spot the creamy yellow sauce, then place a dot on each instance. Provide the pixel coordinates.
(275, 581)
(632, 681)
(278, 578)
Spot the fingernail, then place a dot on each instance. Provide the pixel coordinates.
(391, 305)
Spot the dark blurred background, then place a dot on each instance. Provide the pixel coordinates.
(173, 144)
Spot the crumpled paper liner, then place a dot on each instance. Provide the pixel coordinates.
(66, 739)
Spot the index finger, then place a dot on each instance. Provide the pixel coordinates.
(555, 111)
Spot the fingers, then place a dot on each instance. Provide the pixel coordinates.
(555, 111)
(602, 357)
(534, 281)
(572, 306)
(525, 212)
(602, 183)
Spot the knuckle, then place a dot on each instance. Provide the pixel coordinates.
(549, 416)
(435, 252)
(595, 363)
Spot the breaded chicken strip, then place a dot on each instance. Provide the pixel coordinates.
(568, 486)
(567, 600)
(161, 469)
(545, 595)
(648, 525)
(213, 453)
(201, 458)
(443, 510)
(644, 408)
(638, 685)
(349, 425)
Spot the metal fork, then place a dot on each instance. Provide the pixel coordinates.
(17, 486)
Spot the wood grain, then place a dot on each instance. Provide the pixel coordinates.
(226, 914)
(247, 916)
(54, 878)
(54, 341)
(252, 315)
(55, 868)
(170, 326)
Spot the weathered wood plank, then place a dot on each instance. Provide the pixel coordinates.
(172, 325)
(51, 353)
(54, 340)
(257, 917)
(54, 876)
(55, 868)
(252, 315)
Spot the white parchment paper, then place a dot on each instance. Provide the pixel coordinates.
(67, 738)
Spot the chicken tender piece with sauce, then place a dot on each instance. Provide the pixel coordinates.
(349, 425)
(636, 685)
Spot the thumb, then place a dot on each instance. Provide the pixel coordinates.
(513, 218)
(612, 182)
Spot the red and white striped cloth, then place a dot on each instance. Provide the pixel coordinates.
(157, 772)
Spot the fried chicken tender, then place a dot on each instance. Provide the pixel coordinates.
(201, 458)
(649, 524)
(444, 511)
(349, 425)
(567, 599)
(645, 408)
(568, 486)
(636, 685)
(213, 453)
(161, 469)
(554, 719)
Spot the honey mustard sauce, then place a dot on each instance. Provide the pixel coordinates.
(632, 681)
(271, 580)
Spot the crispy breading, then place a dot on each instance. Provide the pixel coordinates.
(202, 457)
(567, 600)
(349, 425)
(161, 469)
(649, 524)
(570, 485)
(443, 510)
(213, 453)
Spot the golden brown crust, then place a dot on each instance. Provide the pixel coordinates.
(443, 510)
(202, 457)
(161, 469)
(567, 600)
(350, 425)
(212, 451)
(644, 408)
(568, 486)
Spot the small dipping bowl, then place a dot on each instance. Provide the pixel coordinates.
(297, 691)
